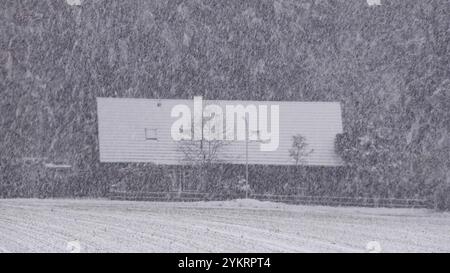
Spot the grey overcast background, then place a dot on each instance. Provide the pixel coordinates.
(386, 62)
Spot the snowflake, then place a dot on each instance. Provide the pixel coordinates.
(74, 2)
(374, 2)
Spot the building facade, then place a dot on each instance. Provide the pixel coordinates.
(139, 130)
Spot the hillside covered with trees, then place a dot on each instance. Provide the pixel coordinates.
(388, 65)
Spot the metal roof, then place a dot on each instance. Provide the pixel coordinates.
(122, 125)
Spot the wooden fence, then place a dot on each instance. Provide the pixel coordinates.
(345, 201)
(289, 199)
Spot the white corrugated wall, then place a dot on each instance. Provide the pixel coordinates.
(122, 123)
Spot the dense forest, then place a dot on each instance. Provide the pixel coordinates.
(388, 65)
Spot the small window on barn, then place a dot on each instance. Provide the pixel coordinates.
(151, 134)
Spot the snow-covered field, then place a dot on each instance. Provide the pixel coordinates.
(30, 225)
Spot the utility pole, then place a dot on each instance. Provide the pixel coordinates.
(246, 157)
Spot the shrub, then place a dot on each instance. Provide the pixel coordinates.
(442, 197)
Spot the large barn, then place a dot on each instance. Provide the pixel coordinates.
(139, 130)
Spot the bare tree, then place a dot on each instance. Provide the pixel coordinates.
(200, 152)
(299, 150)
(201, 155)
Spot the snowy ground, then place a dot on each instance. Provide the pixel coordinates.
(233, 226)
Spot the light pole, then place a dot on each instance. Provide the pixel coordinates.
(246, 157)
